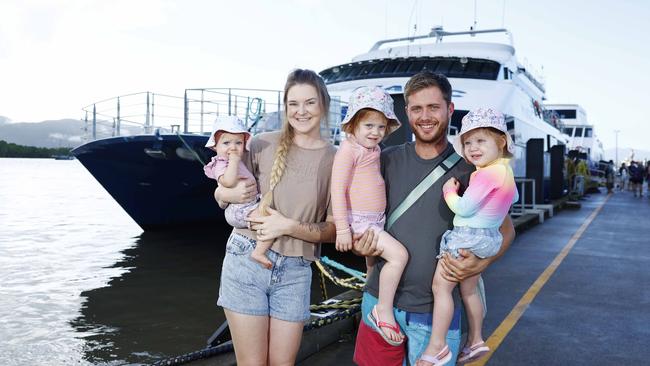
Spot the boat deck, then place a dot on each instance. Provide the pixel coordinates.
(575, 289)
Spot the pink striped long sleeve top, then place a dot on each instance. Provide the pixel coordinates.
(357, 184)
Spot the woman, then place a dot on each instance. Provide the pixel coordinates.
(266, 308)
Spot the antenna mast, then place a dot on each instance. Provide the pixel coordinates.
(474, 26)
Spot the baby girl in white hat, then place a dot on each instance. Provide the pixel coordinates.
(229, 139)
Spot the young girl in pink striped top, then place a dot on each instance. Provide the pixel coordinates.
(359, 197)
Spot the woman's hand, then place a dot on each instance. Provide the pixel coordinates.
(366, 244)
(466, 266)
(242, 192)
(344, 242)
(272, 226)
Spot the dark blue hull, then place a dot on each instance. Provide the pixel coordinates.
(157, 180)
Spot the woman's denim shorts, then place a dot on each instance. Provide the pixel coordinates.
(283, 292)
(482, 242)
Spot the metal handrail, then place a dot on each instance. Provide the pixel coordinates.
(438, 33)
(521, 207)
(145, 112)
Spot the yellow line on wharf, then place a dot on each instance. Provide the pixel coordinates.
(499, 334)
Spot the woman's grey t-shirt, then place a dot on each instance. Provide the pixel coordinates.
(420, 228)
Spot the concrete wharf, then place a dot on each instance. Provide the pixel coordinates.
(574, 290)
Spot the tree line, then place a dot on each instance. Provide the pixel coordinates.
(10, 150)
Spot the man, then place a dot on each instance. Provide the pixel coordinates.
(419, 228)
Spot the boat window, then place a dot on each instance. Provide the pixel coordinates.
(430, 65)
(566, 113)
(355, 71)
(390, 68)
(510, 123)
(344, 72)
(589, 132)
(444, 66)
(416, 66)
(490, 68)
(403, 66)
(377, 68)
(473, 68)
(568, 131)
(456, 120)
(578, 132)
(457, 67)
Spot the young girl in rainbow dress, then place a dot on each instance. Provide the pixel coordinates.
(483, 141)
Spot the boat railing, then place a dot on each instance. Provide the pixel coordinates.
(438, 33)
(193, 113)
(519, 208)
(527, 204)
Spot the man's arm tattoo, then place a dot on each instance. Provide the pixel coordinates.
(314, 227)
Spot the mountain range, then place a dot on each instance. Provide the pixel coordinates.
(55, 133)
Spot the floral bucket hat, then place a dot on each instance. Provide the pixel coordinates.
(483, 117)
(374, 98)
(230, 124)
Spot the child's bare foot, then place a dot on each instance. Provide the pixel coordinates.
(260, 257)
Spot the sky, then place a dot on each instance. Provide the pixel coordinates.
(57, 56)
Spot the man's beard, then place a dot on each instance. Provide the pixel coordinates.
(437, 137)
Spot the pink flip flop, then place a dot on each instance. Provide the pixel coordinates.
(473, 353)
(377, 324)
(440, 359)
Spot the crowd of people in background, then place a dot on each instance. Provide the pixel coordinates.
(631, 177)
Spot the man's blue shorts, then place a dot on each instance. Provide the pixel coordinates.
(371, 349)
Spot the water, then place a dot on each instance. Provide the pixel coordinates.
(80, 283)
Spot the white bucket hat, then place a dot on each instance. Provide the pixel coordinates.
(483, 117)
(374, 98)
(230, 124)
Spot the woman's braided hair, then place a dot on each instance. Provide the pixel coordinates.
(298, 76)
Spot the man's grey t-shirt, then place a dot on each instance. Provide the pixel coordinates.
(420, 228)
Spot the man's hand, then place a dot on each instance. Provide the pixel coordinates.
(366, 244)
(466, 266)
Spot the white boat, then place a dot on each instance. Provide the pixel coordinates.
(482, 74)
(581, 132)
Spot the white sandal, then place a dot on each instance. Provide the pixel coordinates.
(473, 353)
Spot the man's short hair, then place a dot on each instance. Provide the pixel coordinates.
(427, 79)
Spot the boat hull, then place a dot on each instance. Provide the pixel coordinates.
(157, 179)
